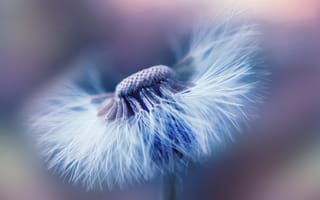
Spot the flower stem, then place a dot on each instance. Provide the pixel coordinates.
(169, 187)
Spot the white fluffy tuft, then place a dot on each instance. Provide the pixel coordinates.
(89, 150)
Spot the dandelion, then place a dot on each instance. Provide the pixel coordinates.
(156, 121)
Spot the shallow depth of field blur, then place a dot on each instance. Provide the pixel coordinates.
(278, 158)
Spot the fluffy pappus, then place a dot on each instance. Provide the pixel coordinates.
(154, 122)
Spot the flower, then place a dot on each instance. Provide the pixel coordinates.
(156, 120)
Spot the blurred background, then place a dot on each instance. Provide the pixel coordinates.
(277, 159)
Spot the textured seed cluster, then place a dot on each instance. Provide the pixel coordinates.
(143, 78)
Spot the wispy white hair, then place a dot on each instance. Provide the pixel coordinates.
(223, 87)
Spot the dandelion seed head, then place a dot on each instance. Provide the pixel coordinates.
(141, 91)
(153, 123)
